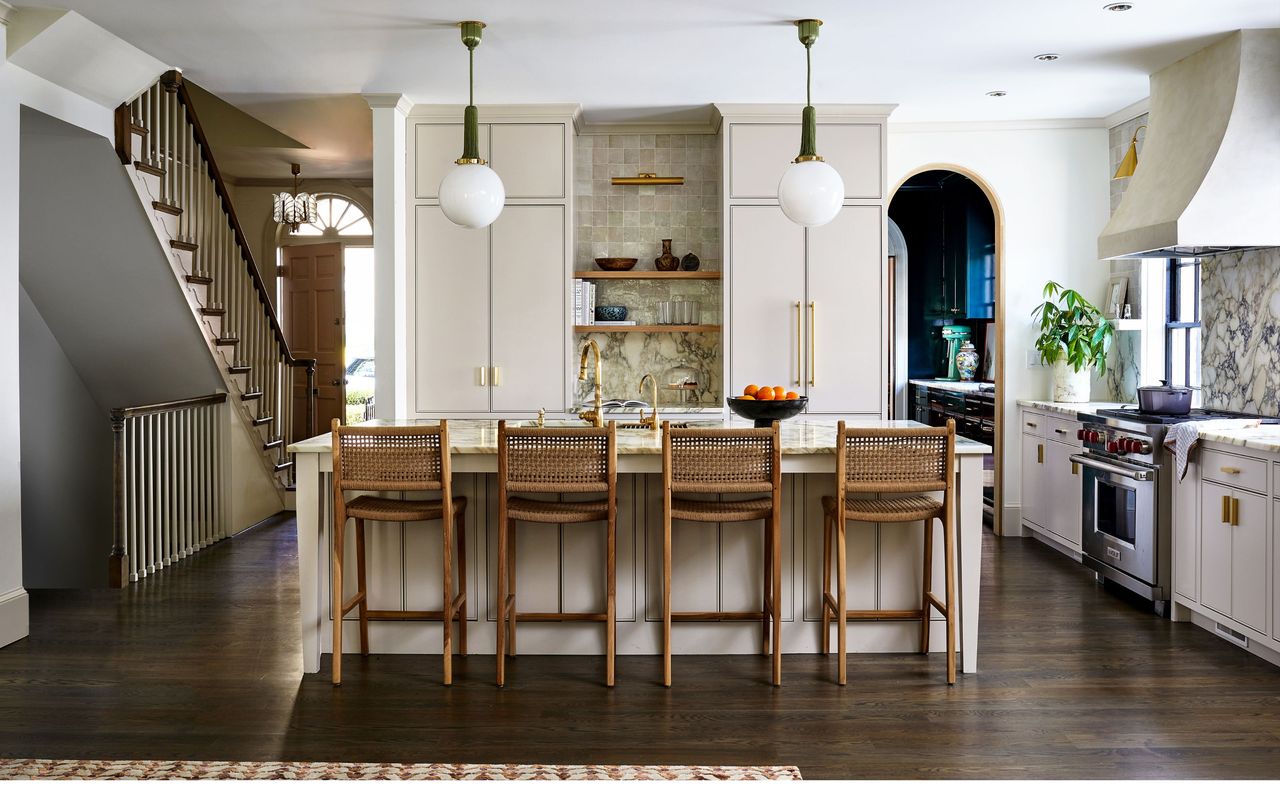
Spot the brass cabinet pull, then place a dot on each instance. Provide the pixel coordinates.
(1060, 431)
(1235, 511)
(1031, 424)
(1039, 454)
(484, 374)
(1075, 468)
(813, 345)
(799, 340)
(1230, 470)
(495, 374)
(1226, 509)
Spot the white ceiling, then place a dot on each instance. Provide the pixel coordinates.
(669, 59)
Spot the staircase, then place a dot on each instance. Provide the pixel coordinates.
(162, 146)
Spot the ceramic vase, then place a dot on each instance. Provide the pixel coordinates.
(967, 361)
(666, 262)
(689, 263)
(1070, 386)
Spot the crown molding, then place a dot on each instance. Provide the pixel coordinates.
(6, 13)
(1127, 113)
(388, 100)
(790, 112)
(998, 125)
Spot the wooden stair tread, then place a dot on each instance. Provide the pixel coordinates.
(213, 312)
(203, 280)
(247, 396)
(227, 341)
(263, 420)
(166, 208)
(150, 169)
(178, 244)
(273, 445)
(240, 369)
(283, 465)
(141, 130)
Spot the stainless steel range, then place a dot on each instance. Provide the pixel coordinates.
(1128, 497)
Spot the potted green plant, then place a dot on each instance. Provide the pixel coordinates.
(1074, 339)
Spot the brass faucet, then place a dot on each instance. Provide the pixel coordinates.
(652, 420)
(596, 416)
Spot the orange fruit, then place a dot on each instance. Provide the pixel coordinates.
(779, 393)
(765, 393)
(746, 397)
(751, 390)
(792, 396)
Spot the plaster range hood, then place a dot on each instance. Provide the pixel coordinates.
(1208, 178)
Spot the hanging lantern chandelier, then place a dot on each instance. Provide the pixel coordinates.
(811, 191)
(471, 194)
(295, 209)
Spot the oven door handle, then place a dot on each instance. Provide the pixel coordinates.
(1131, 474)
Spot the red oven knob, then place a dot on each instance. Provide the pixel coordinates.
(1094, 437)
(1112, 447)
(1080, 434)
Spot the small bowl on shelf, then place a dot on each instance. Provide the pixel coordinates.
(764, 412)
(611, 313)
(616, 264)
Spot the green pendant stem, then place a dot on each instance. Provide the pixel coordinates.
(471, 116)
(471, 134)
(808, 32)
(809, 134)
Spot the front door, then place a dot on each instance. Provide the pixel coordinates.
(314, 323)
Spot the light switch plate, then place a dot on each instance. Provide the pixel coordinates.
(1033, 358)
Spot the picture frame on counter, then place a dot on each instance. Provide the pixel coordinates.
(1117, 293)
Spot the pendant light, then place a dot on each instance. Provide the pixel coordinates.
(471, 195)
(297, 209)
(811, 191)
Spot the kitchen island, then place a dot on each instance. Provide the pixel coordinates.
(717, 566)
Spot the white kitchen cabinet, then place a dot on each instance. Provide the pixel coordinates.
(440, 144)
(760, 153)
(1034, 507)
(1186, 533)
(1052, 486)
(528, 302)
(529, 158)
(1275, 560)
(1234, 565)
(451, 323)
(809, 302)
(1065, 484)
(766, 293)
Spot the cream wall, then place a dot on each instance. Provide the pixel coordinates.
(1052, 185)
(18, 88)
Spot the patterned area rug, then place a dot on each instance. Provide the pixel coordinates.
(50, 769)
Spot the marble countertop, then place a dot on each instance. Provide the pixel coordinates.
(955, 386)
(804, 437)
(1070, 409)
(1263, 437)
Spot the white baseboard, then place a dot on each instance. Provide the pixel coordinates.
(1011, 521)
(14, 616)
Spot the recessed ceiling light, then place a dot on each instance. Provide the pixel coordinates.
(997, 93)
(1117, 6)
(1048, 57)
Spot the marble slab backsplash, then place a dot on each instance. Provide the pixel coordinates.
(628, 356)
(1240, 313)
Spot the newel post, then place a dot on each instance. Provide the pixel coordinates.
(118, 565)
(311, 398)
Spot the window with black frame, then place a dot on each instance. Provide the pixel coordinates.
(1182, 324)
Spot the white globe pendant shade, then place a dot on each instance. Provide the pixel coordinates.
(811, 193)
(472, 195)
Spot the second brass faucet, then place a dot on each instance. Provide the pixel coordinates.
(652, 419)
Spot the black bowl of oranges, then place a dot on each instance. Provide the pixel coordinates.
(764, 404)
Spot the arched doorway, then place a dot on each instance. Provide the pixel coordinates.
(326, 293)
(947, 246)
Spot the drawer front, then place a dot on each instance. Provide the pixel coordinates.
(1033, 423)
(1275, 490)
(1062, 429)
(1232, 469)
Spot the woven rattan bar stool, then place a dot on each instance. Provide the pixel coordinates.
(559, 461)
(902, 462)
(731, 461)
(396, 459)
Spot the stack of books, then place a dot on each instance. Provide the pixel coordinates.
(584, 302)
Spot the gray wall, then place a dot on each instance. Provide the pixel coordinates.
(66, 465)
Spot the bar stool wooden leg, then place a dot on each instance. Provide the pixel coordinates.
(611, 593)
(362, 588)
(511, 587)
(926, 608)
(775, 541)
(842, 607)
(459, 525)
(502, 597)
(339, 546)
(826, 584)
(766, 587)
(666, 594)
(949, 550)
(446, 648)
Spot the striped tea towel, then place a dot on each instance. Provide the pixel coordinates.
(1185, 436)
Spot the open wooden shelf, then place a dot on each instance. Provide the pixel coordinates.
(647, 275)
(646, 328)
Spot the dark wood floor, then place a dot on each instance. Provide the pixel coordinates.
(201, 662)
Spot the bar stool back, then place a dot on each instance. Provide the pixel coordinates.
(563, 461)
(729, 461)
(902, 463)
(396, 459)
